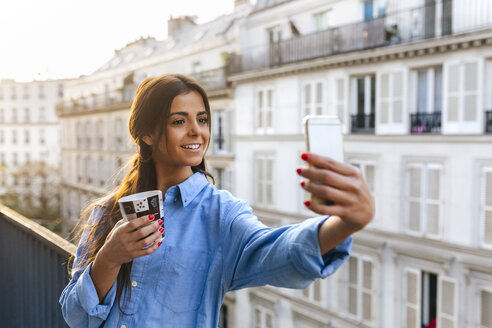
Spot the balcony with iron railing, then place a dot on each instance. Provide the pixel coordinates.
(117, 98)
(425, 123)
(32, 272)
(488, 121)
(397, 27)
(363, 123)
(212, 80)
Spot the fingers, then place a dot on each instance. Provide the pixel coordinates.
(137, 223)
(330, 164)
(154, 238)
(326, 192)
(327, 177)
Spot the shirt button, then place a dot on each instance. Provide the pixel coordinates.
(134, 284)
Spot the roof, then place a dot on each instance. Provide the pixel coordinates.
(265, 4)
(149, 47)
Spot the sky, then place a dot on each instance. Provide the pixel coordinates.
(41, 39)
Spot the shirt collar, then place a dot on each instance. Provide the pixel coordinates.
(191, 187)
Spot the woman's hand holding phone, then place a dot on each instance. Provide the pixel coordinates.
(341, 184)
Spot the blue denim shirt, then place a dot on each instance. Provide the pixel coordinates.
(213, 244)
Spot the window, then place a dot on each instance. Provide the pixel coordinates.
(28, 158)
(1, 93)
(368, 10)
(363, 107)
(264, 112)
(312, 98)
(486, 206)
(196, 67)
(14, 136)
(41, 91)
(321, 21)
(26, 92)
(26, 136)
(88, 170)
(340, 99)
(486, 305)
(429, 296)
(219, 177)
(13, 93)
(80, 169)
(1, 136)
(42, 114)
(2, 159)
(26, 115)
(314, 292)
(42, 137)
(80, 136)
(263, 317)
(274, 34)
(264, 179)
(14, 159)
(424, 198)
(2, 118)
(100, 134)
(102, 172)
(360, 289)
(60, 90)
(87, 132)
(219, 140)
(368, 170)
(14, 115)
(119, 132)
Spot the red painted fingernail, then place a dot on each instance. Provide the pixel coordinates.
(299, 171)
(159, 243)
(161, 230)
(305, 156)
(302, 184)
(151, 217)
(307, 203)
(160, 222)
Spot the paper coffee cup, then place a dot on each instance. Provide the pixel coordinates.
(141, 204)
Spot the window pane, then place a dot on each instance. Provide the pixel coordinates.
(415, 178)
(433, 184)
(367, 276)
(433, 219)
(437, 90)
(353, 270)
(411, 317)
(319, 92)
(486, 306)
(270, 98)
(488, 227)
(366, 306)
(488, 188)
(352, 301)
(317, 290)
(414, 219)
(370, 177)
(307, 94)
(422, 91)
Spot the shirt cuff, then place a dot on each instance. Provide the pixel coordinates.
(88, 298)
(306, 254)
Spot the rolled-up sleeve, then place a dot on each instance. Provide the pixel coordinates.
(289, 256)
(79, 299)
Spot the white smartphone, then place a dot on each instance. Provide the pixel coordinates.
(324, 137)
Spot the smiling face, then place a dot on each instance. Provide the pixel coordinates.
(187, 133)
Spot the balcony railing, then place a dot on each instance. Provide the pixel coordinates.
(363, 123)
(425, 123)
(397, 27)
(488, 121)
(212, 80)
(32, 272)
(124, 96)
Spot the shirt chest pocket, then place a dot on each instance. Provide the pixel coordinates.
(182, 277)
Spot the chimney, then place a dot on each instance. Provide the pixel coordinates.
(239, 3)
(179, 24)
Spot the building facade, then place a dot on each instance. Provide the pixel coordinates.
(412, 83)
(29, 133)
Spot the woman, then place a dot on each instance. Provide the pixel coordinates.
(124, 277)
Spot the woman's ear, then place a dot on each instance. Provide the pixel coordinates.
(147, 140)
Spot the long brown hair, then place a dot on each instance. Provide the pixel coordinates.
(149, 112)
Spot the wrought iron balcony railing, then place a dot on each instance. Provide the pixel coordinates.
(212, 80)
(124, 96)
(394, 27)
(32, 271)
(363, 123)
(488, 121)
(425, 123)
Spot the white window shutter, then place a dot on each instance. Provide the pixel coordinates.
(470, 109)
(397, 98)
(319, 98)
(447, 299)
(433, 199)
(453, 93)
(269, 109)
(415, 178)
(259, 115)
(307, 99)
(486, 202)
(384, 99)
(485, 308)
(412, 298)
(340, 106)
(353, 280)
(367, 295)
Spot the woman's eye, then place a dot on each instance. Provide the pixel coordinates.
(203, 120)
(177, 122)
